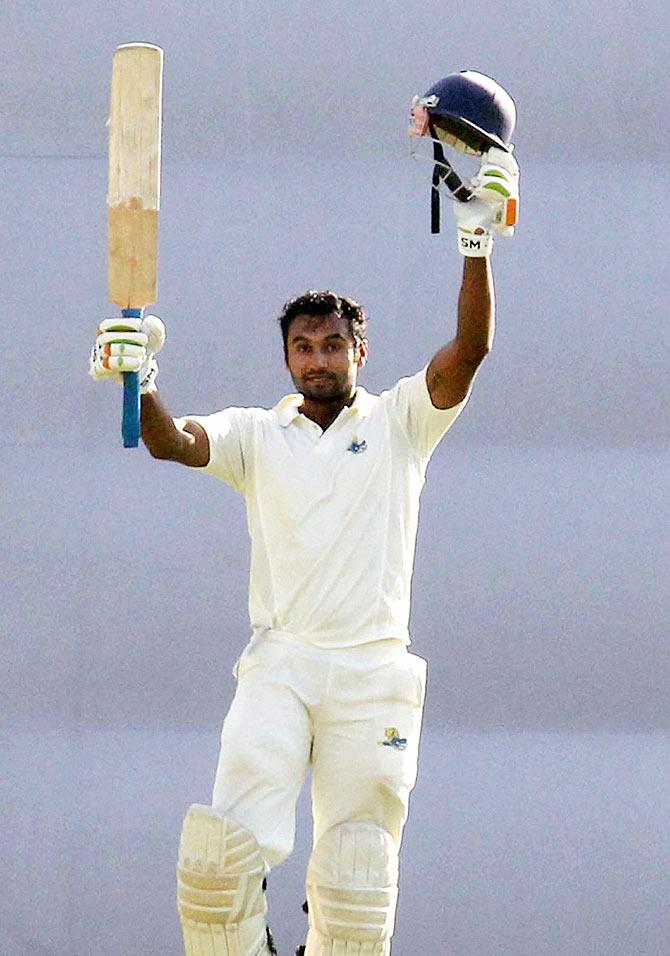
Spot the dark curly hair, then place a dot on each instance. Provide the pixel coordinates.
(324, 303)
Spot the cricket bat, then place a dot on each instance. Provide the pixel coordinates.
(133, 197)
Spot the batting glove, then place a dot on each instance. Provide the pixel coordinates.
(497, 184)
(128, 345)
(474, 221)
(494, 206)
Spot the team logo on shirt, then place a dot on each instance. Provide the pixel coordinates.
(393, 739)
(356, 447)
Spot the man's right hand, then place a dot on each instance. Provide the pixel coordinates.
(127, 345)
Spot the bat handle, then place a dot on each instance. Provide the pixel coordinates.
(130, 425)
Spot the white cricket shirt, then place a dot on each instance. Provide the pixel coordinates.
(332, 514)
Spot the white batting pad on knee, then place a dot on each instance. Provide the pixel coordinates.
(220, 887)
(352, 891)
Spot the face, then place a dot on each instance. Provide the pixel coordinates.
(322, 357)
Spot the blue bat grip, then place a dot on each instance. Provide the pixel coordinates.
(130, 425)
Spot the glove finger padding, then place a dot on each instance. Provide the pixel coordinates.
(107, 366)
(122, 348)
(127, 345)
(497, 183)
(502, 158)
(149, 331)
(134, 339)
(121, 325)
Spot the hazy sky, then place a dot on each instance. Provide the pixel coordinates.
(540, 592)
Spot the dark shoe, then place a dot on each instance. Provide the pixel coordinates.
(300, 951)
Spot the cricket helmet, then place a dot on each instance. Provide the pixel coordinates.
(471, 107)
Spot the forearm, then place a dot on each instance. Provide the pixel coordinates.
(160, 434)
(476, 310)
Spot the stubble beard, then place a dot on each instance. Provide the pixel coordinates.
(330, 391)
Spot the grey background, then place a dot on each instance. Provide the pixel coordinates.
(540, 821)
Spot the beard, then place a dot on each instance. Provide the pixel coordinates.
(327, 388)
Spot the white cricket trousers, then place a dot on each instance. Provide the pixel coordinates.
(353, 715)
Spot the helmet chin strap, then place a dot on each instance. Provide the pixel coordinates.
(443, 172)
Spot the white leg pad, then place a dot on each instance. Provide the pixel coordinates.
(352, 891)
(220, 887)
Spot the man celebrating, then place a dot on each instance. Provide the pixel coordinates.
(331, 477)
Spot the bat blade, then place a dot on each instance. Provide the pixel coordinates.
(133, 196)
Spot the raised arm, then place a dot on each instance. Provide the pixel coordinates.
(493, 209)
(189, 446)
(453, 367)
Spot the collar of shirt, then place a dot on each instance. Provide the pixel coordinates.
(287, 408)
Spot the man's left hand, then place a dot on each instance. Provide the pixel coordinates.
(497, 184)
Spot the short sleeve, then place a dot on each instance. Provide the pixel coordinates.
(228, 433)
(423, 424)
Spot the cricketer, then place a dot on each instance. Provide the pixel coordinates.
(331, 477)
